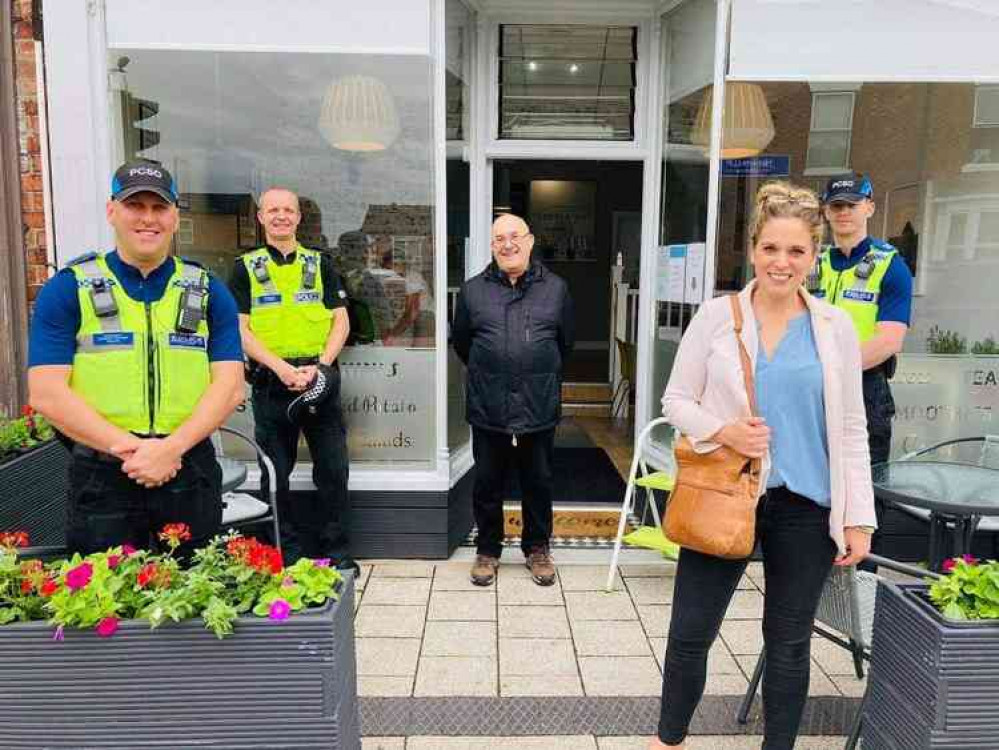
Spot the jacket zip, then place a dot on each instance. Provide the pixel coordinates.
(151, 366)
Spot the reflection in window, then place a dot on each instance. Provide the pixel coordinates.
(829, 136)
(351, 135)
(567, 82)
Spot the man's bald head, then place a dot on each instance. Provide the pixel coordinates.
(512, 243)
(279, 215)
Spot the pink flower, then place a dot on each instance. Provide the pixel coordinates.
(322, 562)
(107, 627)
(113, 561)
(57, 635)
(951, 563)
(80, 576)
(128, 550)
(280, 609)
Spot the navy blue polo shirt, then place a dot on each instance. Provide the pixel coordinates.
(56, 320)
(895, 299)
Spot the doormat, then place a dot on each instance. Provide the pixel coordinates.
(581, 475)
(595, 524)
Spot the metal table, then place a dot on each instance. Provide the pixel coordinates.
(957, 496)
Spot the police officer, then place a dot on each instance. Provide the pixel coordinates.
(869, 279)
(293, 317)
(135, 357)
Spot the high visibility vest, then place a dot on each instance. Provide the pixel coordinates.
(287, 313)
(134, 363)
(857, 289)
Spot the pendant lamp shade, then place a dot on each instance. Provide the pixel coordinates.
(359, 114)
(747, 127)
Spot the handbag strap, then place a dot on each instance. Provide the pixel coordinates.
(746, 366)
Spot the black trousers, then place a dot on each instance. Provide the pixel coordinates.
(106, 508)
(314, 524)
(495, 455)
(793, 533)
(880, 408)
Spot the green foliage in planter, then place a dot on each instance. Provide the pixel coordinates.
(233, 575)
(969, 591)
(987, 346)
(27, 431)
(946, 342)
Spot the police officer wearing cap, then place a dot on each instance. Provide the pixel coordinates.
(293, 318)
(870, 280)
(134, 355)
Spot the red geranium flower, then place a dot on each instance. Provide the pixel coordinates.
(26, 586)
(147, 573)
(27, 410)
(12, 539)
(175, 533)
(49, 587)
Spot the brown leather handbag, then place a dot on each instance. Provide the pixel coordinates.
(712, 508)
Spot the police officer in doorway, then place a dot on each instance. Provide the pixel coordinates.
(293, 317)
(135, 357)
(869, 279)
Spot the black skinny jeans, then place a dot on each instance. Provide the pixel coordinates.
(793, 533)
(313, 524)
(495, 455)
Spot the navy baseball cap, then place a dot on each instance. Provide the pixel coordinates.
(848, 188)
(143, 177)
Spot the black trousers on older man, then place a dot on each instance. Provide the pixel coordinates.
(496, 455)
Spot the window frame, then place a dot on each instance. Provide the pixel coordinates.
(817, 96)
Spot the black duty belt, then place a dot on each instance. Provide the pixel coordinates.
(86, 452)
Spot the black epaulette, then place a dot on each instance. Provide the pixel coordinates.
(188, 261)
(82, 259)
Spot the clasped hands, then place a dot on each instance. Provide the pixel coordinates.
(296, 378)
(150, 462)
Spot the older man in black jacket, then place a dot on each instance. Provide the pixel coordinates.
(513, 327)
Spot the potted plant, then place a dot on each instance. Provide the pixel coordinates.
(128, 648)
(934, 680)
(33, 479)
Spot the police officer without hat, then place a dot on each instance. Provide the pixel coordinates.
(869, 279)
(293, 317)
(135, 357)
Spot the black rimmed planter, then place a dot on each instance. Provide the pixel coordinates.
(33, 494)
(289, 684)
(934, 682)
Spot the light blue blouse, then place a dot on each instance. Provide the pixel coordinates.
(789, 395)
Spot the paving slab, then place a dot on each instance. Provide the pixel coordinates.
(834, 660)
(394, 569)
(385, 687)
(727, 742)
(526, 591)
(600, 605)
(651, 590)
(387, 657)
(601, 638)
(540, 685)
(620, 675)
(397, 591)
(818, 682)
(462, 605)
(390, 621)
(586, 578)
(745, 605)
(454, 577)
(444, 638)
(525, 621)
(655, 619)
(647, 570)
(536, 656)
(456, 676)
(742, 636)
(383, 743)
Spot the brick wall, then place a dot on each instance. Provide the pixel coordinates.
(29, 144)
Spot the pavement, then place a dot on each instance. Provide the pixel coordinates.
(446, 665)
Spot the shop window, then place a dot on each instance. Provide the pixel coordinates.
(984, 146)
(987, 107)
(567, 82)
(351, 135)
(829, 134)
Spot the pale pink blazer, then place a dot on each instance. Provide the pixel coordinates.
(706, 391)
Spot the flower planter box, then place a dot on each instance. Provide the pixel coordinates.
(934, 683)
(289, 684)
(33, 494)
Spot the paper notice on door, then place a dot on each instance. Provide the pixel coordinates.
(680, 273)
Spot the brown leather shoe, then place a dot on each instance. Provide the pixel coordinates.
(484, 570)
(541, 565)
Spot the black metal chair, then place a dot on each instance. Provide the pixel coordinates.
(240, 509)
(845, 617)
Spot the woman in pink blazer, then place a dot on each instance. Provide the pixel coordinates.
(816, 506)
